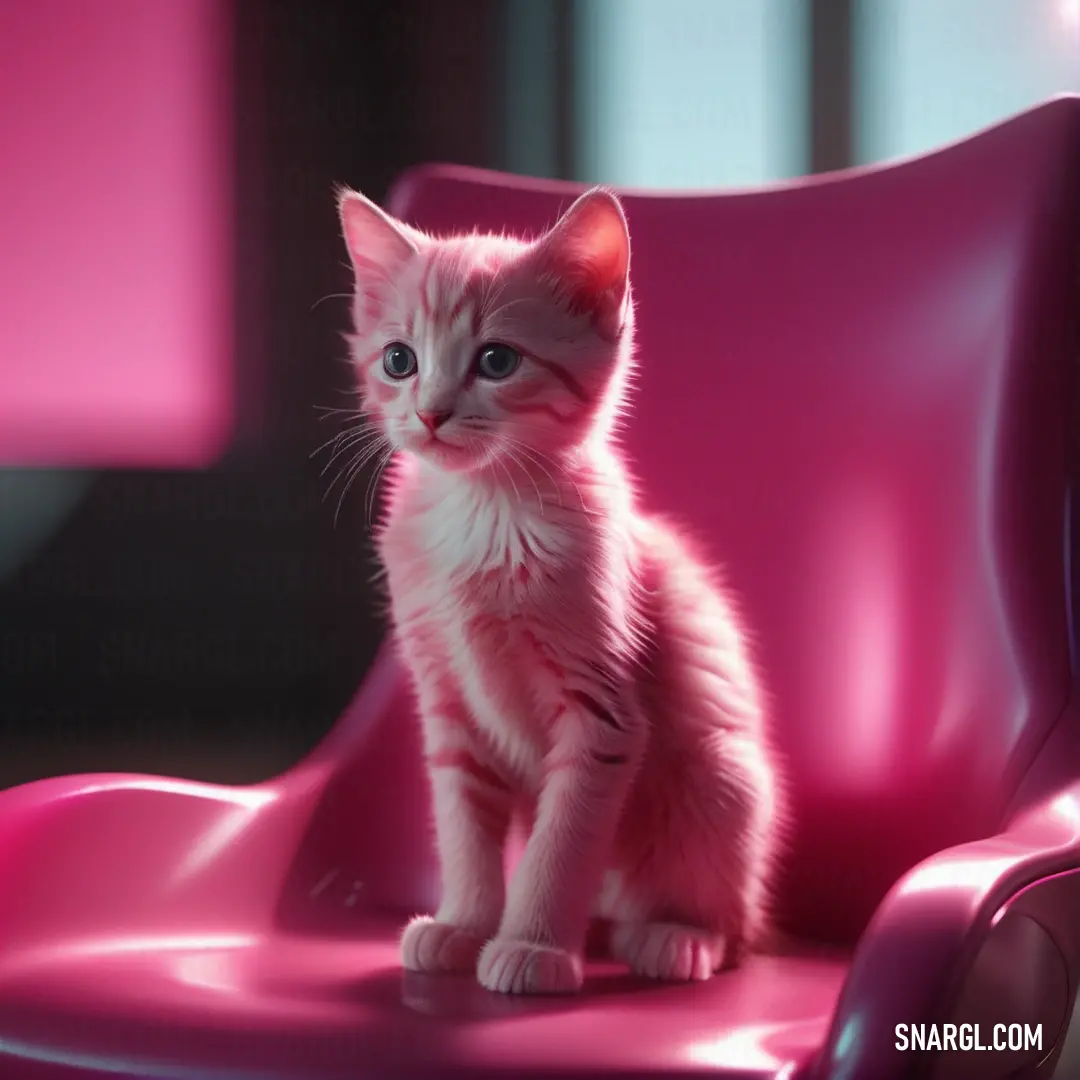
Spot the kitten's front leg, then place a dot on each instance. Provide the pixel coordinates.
(541, 939)
(472, 814)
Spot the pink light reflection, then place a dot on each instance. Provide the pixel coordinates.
(116, 272)
(860, 592)
(742, 1049)
(956, 872)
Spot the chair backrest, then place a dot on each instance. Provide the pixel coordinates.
(857, 391)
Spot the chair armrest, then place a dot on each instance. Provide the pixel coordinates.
(911, 962)
(82, 855)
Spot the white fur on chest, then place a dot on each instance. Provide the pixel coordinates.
(484, 566)
(469, 532)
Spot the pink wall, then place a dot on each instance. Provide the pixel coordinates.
(116, 254)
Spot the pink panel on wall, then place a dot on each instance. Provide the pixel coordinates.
(116, 277)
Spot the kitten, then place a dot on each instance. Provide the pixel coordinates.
(574, 661)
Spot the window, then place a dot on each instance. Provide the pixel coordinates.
(689, 93)
(932, 71)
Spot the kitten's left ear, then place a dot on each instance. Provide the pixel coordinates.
(586, 254)
(378, 243)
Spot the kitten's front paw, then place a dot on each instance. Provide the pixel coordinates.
(520, 967)
(427, 945)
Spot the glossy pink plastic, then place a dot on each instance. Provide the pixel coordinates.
(858, 390)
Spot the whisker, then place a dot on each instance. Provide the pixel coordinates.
(368, 454)
(367, 448)
(517, 461)
(327, 412)
(537, 458)
(330, 296)
(354, 465)
(361, 438)
(348, 469)
(343, 440)
(584, 507)
(348, 432)
(517, 494)
(345, 491)
(372, 482)
(373, 485)
(534, 456)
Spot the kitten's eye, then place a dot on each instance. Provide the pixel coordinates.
(399, 361)
(497, 361)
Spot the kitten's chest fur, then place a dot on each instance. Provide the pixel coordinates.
(479, 576)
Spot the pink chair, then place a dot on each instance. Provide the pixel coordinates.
(859, 390)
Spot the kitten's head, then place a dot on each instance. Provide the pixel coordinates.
(477, 348)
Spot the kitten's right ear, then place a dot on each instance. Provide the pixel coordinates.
(377, 242)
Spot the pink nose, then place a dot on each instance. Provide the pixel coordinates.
(433, 420)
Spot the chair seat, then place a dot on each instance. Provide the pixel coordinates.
(296, 1006)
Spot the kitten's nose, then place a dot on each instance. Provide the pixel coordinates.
(434, 419)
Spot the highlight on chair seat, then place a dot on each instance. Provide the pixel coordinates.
(858, 390)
